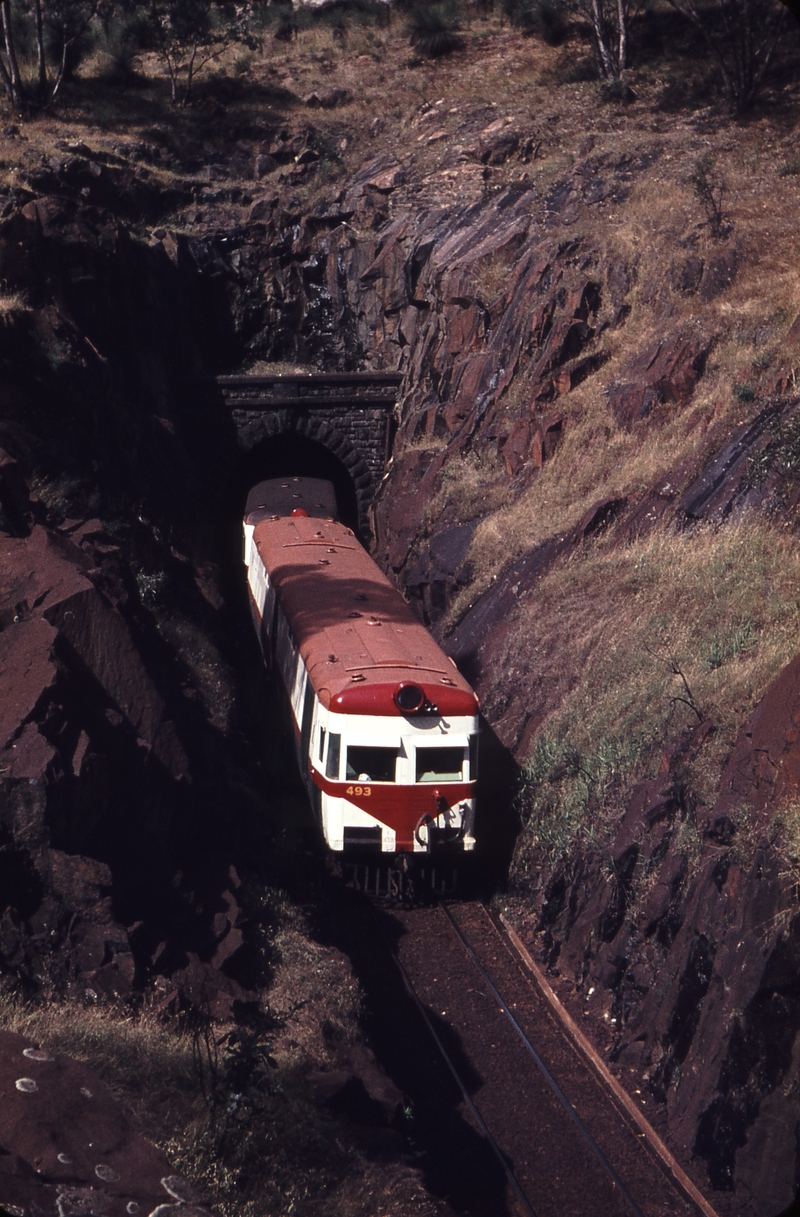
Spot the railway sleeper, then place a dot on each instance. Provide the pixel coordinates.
(398, 880)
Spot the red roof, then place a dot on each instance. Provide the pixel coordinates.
(358, 638)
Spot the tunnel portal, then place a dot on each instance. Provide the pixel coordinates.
(291, 454)
(338, 426)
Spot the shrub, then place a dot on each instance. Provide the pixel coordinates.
(709, 188)
(545, 18)
(434, 29)
(724, 647)
(564, 792)
(120, 42)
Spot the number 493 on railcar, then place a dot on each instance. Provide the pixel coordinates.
(385, 726)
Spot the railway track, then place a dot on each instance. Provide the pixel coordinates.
(566, 1142)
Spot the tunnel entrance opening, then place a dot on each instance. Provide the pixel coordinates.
(292, 455)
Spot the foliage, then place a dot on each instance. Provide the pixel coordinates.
(709, 188)
(121, 38)
(56, 32)
(189, 34)
(545, 18)
(565, 792)
(667, 631)
(742, 36)
(726, 646)
(434, 28)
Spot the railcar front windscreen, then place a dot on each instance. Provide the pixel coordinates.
(371, 764)
(440, 764)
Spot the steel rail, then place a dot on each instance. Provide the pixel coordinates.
(665, 1159)
(521, 1197)
(545, 1072)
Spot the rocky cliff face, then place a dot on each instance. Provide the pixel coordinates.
(509, 312)
(103, 727)
(679, 934)
(132, 721)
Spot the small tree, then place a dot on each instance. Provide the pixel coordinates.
(59, 25)
(609, 22)
(709, 188)
(742, 36)
(189, 34)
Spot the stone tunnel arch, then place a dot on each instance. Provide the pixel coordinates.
(285, 444)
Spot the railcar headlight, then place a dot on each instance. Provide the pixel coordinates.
(409, 698)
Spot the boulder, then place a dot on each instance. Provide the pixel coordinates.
(67, 1148)
(387, 177)
(763, 771)
(664, 373)
(517, 447)
(264, 164)
(263, 209)
(531, 442)
(328, 99)
(498, 142)
(687, 275)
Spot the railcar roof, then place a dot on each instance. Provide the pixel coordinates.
(281, 496)
(358, 638)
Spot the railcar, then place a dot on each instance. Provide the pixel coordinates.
(386, 728)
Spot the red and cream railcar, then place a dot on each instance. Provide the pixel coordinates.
(386, 727)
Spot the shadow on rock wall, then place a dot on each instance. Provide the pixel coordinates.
(126, 781)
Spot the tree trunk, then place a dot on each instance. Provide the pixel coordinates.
(606, 63)
(173, 79)
(622, 45)
(41, 85)
(62, 66)
(6, 79)
(688, 11)
(17, 91)
(189, 76)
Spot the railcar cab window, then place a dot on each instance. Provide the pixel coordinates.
(440, 764)
(371, 764)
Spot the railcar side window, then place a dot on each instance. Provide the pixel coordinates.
(334, 752)
(321, 744)
(371, 764)
(473, 758)
(439, 764)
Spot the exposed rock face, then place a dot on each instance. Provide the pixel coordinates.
(709, 1024)
(466, 300)
(665, 373)
(67, 1148)
(92, 766)
(112, 753)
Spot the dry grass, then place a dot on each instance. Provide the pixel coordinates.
(469, 487)
(144, 1063)
(263, 1146)
(597, 459)
(718, 604)
(13, 302)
